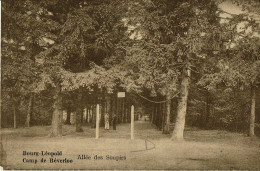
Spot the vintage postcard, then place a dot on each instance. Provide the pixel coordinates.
(130, 84)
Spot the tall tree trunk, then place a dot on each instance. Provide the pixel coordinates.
(163, 116)
(102, 113)
(28, 117)
(14, 110)
(159, 115)
(57, 114)
(182, 108)
(108, 106)
(117, 110)
(113, 109)
(252, 115)
(82, 116)
(123, 110)
(166, 129)
(153, 113)
(126, 115)
(87, 115)
(91, 114)
(79, 113)
(68, 115)
(93, 125)
(208, 103)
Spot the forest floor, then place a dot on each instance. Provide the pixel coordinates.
(202, 149)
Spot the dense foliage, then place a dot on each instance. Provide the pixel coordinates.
(69, 55)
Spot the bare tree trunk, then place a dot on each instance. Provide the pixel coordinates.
(113, 109)
(102, 113)
(208, 103)
(166, 129)
(79, 113)
(159, 116)
(182, 108)
(155, 114)
(151, 116)
(28, 118)
(252, 115)
(126, 115)
(117, 110)
(14, 110)
(82, 116)
(89, 113)
(108, 106)
(57, 114)
(68, 115)
(163, 116)
(123, 110)
(93, 116)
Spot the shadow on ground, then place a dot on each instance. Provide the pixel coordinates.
(203, 149)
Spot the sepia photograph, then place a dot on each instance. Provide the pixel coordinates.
(130, 85)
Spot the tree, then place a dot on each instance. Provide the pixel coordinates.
(28, 118)
(24, 25)
(168, 38)
(238, 66)
(75, 60)
(239, 69)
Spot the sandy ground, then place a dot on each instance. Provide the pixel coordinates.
(203, 149)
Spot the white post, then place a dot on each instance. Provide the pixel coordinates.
(97, 122)
(132, 122)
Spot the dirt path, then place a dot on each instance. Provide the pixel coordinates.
(202, 149)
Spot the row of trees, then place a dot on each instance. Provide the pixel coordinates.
(58, 53)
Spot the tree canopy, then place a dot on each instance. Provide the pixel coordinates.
(148, 47)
